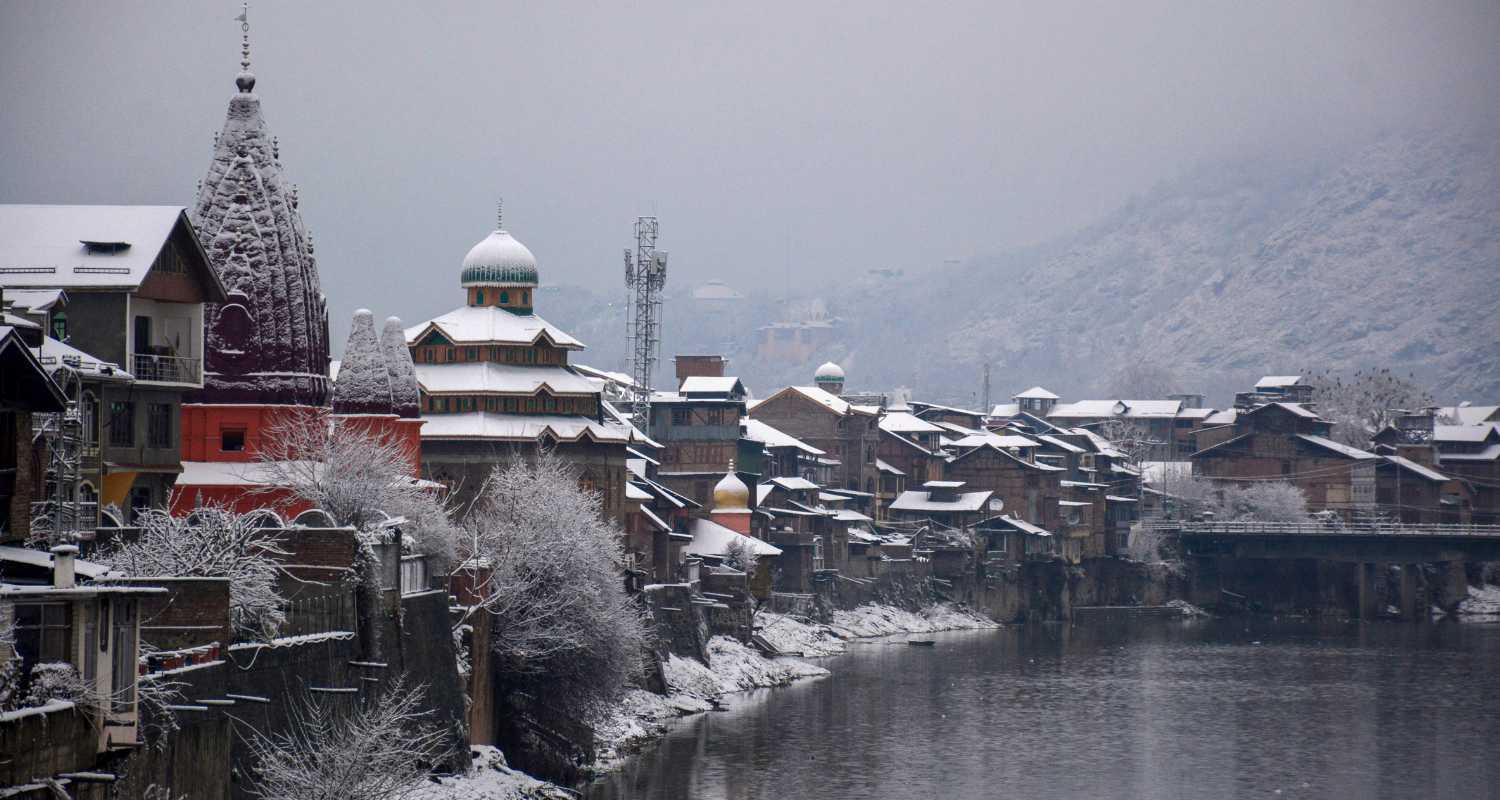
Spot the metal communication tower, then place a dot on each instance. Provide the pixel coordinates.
(645, 274)
(62, 517)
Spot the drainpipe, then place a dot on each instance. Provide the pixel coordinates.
(62, 566)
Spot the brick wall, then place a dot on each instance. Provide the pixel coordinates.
(194, 612)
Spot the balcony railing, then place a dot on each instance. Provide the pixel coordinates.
(167, 369)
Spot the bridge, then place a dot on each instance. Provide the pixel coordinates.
(1370, 546)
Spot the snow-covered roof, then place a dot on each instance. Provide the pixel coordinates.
(1102, 409)
(1295, 408)
(499, 259)
(831, 402)
(712, 539)
(1464, 414)
(943, 484)
(602, 374)
(715, 290)
(997, 440)
(794, 484)
(866, 408)
(43, 559)
(633, 492)
(33, 301)
(1278, 381)
(849, 515)
(1021, 525)
(487, 376)
(1462, 433)
(660, 523)
(887, 468)
(1005, 410)
(768, 436)
(53, 354)
(1417, 469)
(492, 325)
(1341, 449)
(1068, 447)
(704, 384)
(43, 246)
(1490, 453)
(1225, 417)
(1195, 413)
(905, 422)
(519, 427)
(1035, 393)
(953, 427)
(919, 500)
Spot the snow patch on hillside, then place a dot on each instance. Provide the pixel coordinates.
(489, 778)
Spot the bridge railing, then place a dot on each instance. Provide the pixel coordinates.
(1321, 529)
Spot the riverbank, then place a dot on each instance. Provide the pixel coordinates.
(694, 687)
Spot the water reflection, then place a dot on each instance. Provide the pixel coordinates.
(1147, 709)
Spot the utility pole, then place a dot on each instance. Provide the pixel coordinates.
(985, 408)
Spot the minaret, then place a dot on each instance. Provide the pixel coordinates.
(269, 343)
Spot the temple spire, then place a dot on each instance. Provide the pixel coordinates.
(246, 79)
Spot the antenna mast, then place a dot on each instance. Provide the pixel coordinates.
(985, 408)
(645, 274)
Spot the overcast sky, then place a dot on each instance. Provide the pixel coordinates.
(843, 136)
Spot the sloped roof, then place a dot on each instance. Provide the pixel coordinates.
(1417, 469)
(1006, 410)
(1035, 393)
(519, 427)
(794, 484)
(1295, 408)
(1332, 446)
(887, 468)
(53, 354)
(906, 422)
(43, 245)
(712, 539)
(1466, 415)
(919, 500)
(488, 376)
(1463, 433)
(1278, 381)
(27, 383)
(834, 404)
(1130, 409)
(488, 324)
(704, 384)
(758, 431)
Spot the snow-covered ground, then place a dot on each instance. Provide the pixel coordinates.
(1482, 604)
(490, 779)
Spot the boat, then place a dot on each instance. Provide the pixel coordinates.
(920, 642)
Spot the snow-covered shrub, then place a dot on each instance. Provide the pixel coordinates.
(563, 626)
(55, 680)
(1270, 501)
(381, 750)
(358, 476)
(212, 542)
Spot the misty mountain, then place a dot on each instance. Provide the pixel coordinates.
(1383, 255)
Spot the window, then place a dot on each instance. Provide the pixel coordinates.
(122, 423)
(88, 417)
(479, 297)
(232, 440)
(472, 354)
(124, 663)
(44, 632)
(60, 326)
(682, 416)
(505, 298)
(525, 297)
(159, 425)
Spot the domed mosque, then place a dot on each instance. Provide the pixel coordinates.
(830, 378)
(495, 380)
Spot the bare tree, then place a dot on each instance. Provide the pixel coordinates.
(549, 570)
(356, 475)
(381, 750)
(1142, 380)
(1366, 403)
(1132, 440)
(212, 542)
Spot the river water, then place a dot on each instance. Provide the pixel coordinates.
(1142, 709)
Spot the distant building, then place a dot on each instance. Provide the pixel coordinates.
(845, 431)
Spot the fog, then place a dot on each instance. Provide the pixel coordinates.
(772, 139)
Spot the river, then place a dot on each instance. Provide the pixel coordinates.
(1229, 708)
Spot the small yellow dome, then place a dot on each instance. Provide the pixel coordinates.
(731, 493)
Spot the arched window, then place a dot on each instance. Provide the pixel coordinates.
(504, 298)
(479, 297)
(60, 326)
(525, 297)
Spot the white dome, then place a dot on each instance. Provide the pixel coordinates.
(829, 372)
(499, 258)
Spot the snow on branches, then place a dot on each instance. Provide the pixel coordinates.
(547, 569)
(357, 474)
(211, 542)
(1366, 403)
(380, 750)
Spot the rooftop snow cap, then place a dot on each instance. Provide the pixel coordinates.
(499, 260)
(405, 397)
(364, 382)
(829, 373)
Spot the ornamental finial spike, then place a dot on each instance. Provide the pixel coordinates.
(246, 79)
(500, 215)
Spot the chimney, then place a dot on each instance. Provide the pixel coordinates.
(699, 367)
(62, 566)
